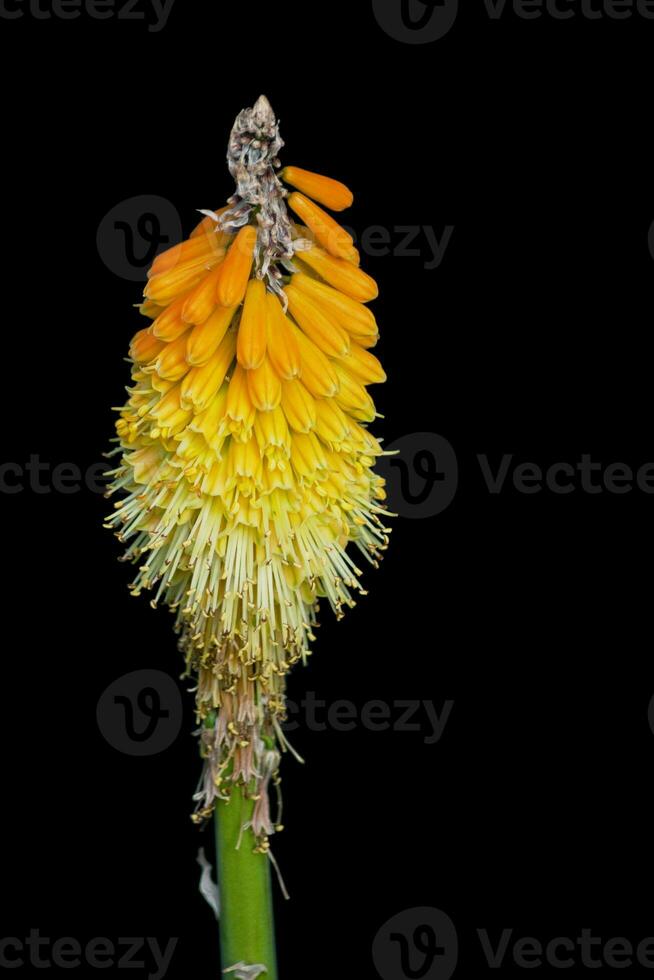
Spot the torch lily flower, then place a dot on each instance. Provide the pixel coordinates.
(246, 481)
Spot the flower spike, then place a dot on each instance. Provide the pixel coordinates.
(246, 479)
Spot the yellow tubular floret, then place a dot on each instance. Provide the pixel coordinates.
(340, 274)
(145, 346)
(307, 454)
(201, 383)
(150, 309)
(352, 396)
(188, 251)
(353, 316)
(201, 301)
(170, 413)
(171, 363)
(177, 281)
(363, 365)
(264, 386)
(236, 267)
(326, 334)
(239, 406)
(204, 338)
(169, 324)
(251, 344)
(283, 349)
(327, 231)
(271, 430)
(316, 371)
(332, 423)
(367, 342)
(331, 193)
(298, 406)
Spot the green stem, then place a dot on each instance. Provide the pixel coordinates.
(246, 909)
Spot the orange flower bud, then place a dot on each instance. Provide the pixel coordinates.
(331, 193)
(236, 268)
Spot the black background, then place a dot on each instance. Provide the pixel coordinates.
(530, 612)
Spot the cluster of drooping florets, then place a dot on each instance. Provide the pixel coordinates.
(246, 462)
